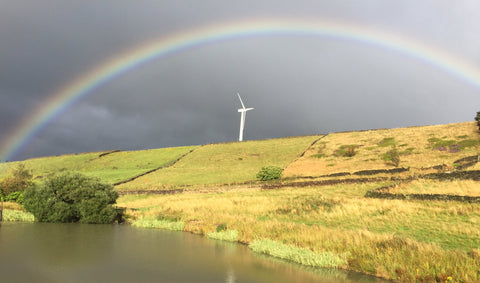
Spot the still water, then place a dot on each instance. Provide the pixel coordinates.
(121, 253)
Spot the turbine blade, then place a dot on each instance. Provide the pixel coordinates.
(241, 100)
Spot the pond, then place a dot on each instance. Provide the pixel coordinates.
(38, 252)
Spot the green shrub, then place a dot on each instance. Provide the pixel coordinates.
(72, 197)
(392, 156)
(15, 197)
(346, 150)
(269, 173)
(222, 227)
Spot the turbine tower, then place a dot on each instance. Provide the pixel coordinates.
(243, 112)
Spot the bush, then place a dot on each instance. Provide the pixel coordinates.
(269, 173)
(72, 197)
(346, 151)
(392, 156)
(20, 179)
(15, 197)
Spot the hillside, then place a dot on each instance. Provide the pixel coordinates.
(339, 199)
(111, 167)
(420, 148)
(225, 163)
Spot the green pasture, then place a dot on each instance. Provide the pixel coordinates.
(225, 163)
(111, 168)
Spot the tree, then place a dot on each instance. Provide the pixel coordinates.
(477, 118)
(72, 197)
(20, 179)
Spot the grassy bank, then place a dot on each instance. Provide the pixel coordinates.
(401, 240)
(13, 212)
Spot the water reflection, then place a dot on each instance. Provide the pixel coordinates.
(106, 253)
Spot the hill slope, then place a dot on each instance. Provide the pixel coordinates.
(419, 147)
(225, 163)
(112, 167)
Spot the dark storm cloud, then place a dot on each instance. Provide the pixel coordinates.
(298, 84)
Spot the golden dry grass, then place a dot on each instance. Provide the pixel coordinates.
(402, 240)
(455, 187)
(413, 140)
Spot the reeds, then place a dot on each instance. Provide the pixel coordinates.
(303, 256)
(159, 224)
(228, 235)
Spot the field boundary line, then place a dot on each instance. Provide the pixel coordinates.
(305, 151)
(156, 169)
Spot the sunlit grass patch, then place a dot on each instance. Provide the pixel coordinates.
(299, 255)
(418, 147)
(455, 187)
(160, 224)
(17, 216)
(387, 238)
(228, 235)
(226, 163)
(113, 167)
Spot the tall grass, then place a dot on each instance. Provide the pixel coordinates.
(17, 216)
(228, 235)
(298, 255)
(159, 224)
(401, 240)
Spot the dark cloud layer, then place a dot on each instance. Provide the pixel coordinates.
(299, 85)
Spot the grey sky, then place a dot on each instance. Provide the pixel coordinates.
(299, 85)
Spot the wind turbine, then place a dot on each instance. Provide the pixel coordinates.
(243, 112)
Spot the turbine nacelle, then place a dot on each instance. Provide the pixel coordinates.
(245, 109)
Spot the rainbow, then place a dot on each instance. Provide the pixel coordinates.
(107, 71)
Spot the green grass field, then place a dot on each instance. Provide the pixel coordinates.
(225, 163)
(111, 168)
